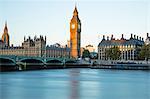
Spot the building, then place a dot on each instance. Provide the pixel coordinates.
(129, 47)
(147, 41)
(30, 47)
(75, 35)
(5, 36)
(57, 51)
(35, 47)
(2, 44)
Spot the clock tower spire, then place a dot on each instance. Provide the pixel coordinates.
(75, 34)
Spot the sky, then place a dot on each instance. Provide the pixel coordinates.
(51, 18)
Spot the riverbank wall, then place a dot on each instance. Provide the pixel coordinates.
(122, 66)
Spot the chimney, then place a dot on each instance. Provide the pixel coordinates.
(122, 38)
(140, 38)
(131, 36)
(134, 36)
(45, 38)
(24, 38)
(103, 37)
(29, 38)
(112, 37)
(108, 38)
(147, 35)
(35, 37)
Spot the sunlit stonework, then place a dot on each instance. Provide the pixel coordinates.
(75, 34)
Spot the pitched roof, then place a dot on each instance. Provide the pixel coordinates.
(121, 42)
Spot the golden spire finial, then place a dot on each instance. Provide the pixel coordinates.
(6, 23)
(5, 28)
(75, 4)
(75, 10)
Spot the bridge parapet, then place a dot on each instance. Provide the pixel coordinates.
(9, 57)
(44, 60)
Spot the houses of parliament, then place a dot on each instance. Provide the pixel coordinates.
(37, 46)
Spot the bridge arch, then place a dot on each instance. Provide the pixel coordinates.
(70, 61)
(31, 60)
(7, 60)
(54, 61)
(7, 64)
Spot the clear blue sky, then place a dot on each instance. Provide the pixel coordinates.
(52, 18)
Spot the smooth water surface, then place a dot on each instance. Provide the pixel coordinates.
(75, 84)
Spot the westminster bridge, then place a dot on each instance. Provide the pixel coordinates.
(12, 62)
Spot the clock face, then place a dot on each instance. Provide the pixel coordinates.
(73, 26)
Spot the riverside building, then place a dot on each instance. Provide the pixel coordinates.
(57, 51)
(30, 47)
(129, 47)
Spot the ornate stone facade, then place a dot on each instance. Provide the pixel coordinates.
(5, 36)
(57, 51)
(129, 47)
(75, 35)
(29, 47)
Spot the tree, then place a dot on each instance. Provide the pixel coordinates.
(86, 54)
(145, 52)
(113, 53)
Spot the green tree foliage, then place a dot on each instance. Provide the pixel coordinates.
(113, 53)
(145, 52)
(86, 54)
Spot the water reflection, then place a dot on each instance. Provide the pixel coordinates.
(74, 83)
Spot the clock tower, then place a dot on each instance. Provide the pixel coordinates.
(75, 34)
(5, 36)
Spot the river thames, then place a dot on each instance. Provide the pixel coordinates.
(75, 84)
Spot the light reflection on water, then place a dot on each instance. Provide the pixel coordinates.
(75, 84)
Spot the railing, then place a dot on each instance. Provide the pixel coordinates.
(123, 61)
(7, 64)
(54, 64)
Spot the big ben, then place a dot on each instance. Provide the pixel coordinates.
(5, 36)
(75, 34)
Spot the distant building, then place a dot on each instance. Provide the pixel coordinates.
(90, 48)
(57, 51)
(129, 47)
(29, 47)
(147, 41)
